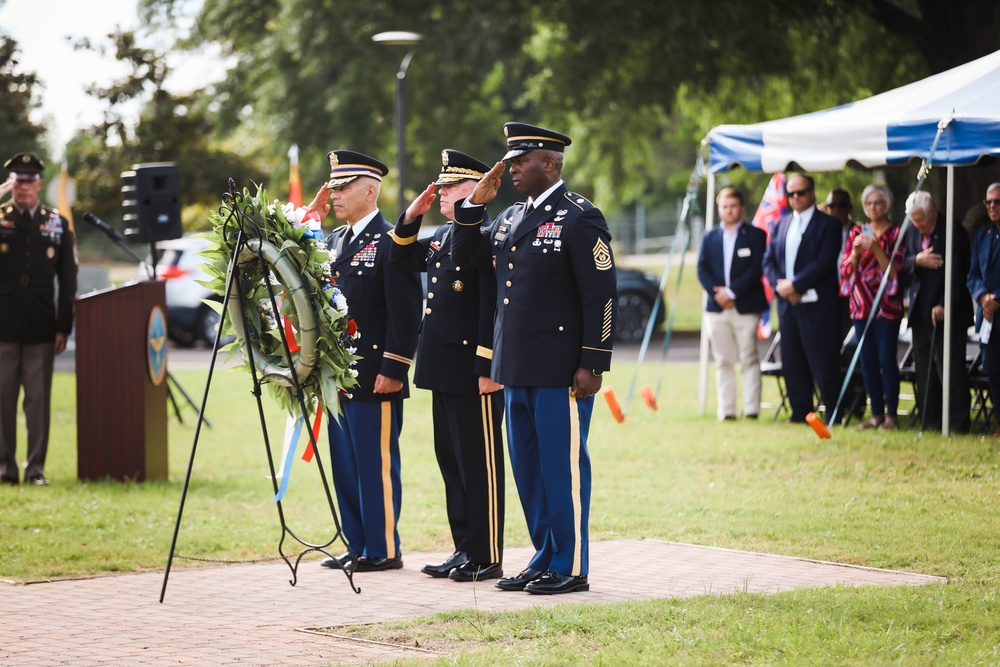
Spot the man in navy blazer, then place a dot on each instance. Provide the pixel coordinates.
(730, 266)
(924, 272)
(801, 265)
(984, 285)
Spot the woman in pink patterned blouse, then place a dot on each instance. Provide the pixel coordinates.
(868, 256)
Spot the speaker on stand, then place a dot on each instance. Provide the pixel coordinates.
(151, 198)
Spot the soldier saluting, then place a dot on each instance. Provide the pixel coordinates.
(552, 340)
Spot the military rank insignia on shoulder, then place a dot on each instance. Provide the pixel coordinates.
(579, 201)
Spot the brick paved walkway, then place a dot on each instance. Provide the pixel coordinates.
(249, 615)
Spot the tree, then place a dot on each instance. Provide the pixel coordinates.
(171, 128)
(17, 132)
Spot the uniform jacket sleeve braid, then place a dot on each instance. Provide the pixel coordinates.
(406, 251)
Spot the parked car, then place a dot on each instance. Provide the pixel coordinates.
(637, 292)
(188, 318)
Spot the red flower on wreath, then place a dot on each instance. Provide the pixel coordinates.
(352, 327)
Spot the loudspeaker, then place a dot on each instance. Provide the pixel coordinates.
(151, 197)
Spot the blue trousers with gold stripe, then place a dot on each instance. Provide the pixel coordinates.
(469, 449)
(364, 456)
(547, 437)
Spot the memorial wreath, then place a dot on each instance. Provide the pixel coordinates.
(283, 265)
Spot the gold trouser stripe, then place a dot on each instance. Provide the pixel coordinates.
(388, 507)
(489, 445)
(574, 473)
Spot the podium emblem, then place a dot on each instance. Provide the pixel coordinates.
(156, 346)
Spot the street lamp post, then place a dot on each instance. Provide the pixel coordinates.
(397, 37)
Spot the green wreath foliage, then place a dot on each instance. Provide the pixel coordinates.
(333, 371)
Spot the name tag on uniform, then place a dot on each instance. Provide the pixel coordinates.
(743, 252)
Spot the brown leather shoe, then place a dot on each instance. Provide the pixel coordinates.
(889, 423)
(874, 422)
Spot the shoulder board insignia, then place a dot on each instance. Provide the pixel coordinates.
(579, 201)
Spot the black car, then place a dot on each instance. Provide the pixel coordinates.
(637, 292)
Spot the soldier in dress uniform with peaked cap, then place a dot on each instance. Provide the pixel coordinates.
(37, 252)
(384, 300)
(453, 361)
(556, 313)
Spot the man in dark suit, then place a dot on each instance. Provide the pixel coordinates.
(384, 300)
(556, 311)
(37, 252)
(453, 361)
(984, 286)
(730, 265)
(801, 265)
(924, 271)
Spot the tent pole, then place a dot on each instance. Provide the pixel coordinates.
(703, 351)
(949, 235)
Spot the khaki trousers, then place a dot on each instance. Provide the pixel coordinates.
(734, 341)
(28, 366)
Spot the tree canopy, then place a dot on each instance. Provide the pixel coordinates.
(636, 83)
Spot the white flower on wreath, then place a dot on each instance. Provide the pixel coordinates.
(340, 301)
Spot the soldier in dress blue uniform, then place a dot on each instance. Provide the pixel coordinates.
(556, 316)
(453, 361)
(37, 251)
(384, 300)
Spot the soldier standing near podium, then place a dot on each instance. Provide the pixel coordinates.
(37, 252)
(453, 361)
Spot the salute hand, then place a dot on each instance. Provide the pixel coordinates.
(486, 190)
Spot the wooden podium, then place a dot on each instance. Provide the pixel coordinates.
(121, 383)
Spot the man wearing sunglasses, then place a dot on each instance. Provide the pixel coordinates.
(984, 285)
(801, 265)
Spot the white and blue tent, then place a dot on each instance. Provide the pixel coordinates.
(889, 129)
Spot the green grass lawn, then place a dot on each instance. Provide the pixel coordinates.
(898, 500)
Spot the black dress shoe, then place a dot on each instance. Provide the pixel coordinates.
(518, 583)
(339, 563)
(9, 480)
(455, 560)
(477, 572)
(552, 583)
(366, 564)
(37, 480)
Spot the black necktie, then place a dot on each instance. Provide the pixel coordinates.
(347, 239)
(528, 208)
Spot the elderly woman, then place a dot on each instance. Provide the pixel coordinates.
(868, 257)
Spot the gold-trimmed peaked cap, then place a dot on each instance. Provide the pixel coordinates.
(27, 166)
(457, 166)
(346, 166)
(523, 138)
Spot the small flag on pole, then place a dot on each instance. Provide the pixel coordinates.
(63, 204)
(772, 206)
(294, 180)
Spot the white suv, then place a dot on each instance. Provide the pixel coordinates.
(188, 319)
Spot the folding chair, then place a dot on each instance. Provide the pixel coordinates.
(981, 409)
(771, 366)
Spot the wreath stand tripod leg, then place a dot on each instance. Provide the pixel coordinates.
(201, 418)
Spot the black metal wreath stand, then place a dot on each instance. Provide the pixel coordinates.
(249, 230)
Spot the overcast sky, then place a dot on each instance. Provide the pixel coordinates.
(41, 28)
